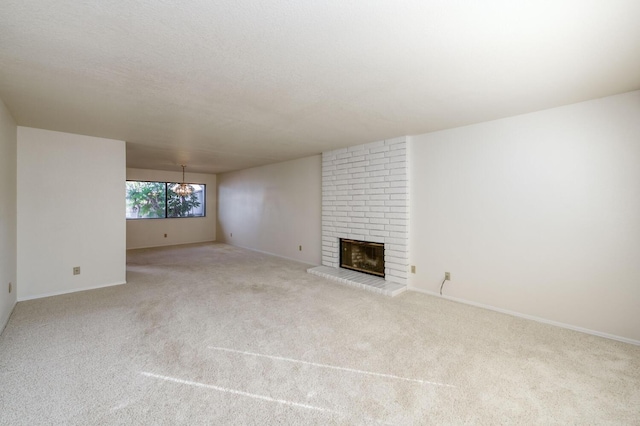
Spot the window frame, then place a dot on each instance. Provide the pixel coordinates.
(166, 200)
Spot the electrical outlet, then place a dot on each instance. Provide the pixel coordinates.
(165, 235)
(76, 270)
(413, 269)
(447, 276)
(10, 287)
(231, 234)
(300, 248)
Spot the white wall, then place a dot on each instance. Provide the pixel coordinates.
(71, 207)
(537, 214)
(150, 232)
(8, 214)
(273, 208)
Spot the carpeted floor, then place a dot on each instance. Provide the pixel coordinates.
(214, 334)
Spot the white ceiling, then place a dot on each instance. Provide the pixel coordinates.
(227, 84)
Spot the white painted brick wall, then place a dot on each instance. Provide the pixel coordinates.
(365, 196)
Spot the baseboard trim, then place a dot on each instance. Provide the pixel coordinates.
(172, 244)
(58, 293)
(6, 322)
(530, 317)
(271, 254)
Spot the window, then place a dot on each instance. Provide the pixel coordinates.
(189, 206)
(157, 200)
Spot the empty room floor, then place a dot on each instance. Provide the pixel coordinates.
(215, 334)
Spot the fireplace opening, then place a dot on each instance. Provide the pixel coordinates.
(362, 256)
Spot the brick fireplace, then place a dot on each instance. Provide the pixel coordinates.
(365, 197)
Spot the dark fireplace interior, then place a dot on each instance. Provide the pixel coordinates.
(362, 256)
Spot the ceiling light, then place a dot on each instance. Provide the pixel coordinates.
(183, 189)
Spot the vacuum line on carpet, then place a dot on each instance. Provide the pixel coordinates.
(333, 367)
(235, 392)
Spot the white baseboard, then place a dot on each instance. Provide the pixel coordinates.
(272, 254)
(171, 244)
(531, 317)
(75, 290)
(3, 326)
(233, 245)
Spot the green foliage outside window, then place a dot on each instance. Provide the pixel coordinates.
(151, 200)
(181, 206)
(146, 199)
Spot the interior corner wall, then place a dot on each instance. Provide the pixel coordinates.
(537, 214)
(274, 209)
(143, 233)
(71, 204)
(8, 214)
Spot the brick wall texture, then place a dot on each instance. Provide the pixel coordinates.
(365, 196)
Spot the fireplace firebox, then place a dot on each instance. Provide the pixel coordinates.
(362, 256)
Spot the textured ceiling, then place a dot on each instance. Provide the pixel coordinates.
(223, 85)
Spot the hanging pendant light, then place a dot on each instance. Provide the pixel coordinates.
(183, 189)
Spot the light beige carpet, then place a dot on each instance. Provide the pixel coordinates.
(213, 334)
